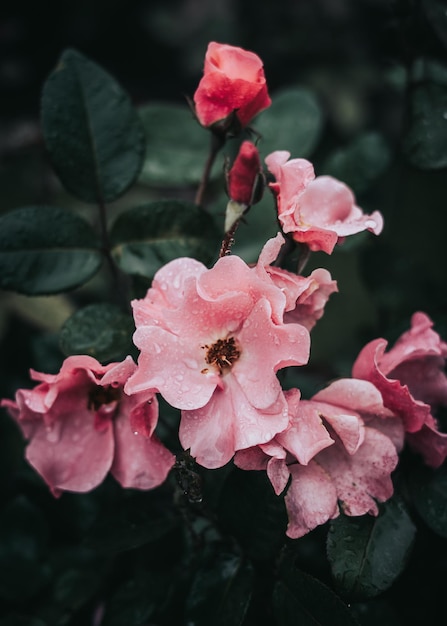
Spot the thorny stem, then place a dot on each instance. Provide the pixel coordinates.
(228, 240)
(216, 143)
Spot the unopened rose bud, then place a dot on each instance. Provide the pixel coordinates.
(244, 175)
(245, 183)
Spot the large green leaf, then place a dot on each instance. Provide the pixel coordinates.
(221, 591)
(146, 237)
(368, 553)
(293, 122)
(429, 492)
(177, 146)
(426, 139)
(300, 599)
(94, 136)
(45, 250)
(100, 330)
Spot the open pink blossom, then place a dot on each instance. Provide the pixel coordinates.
(318, 211)
(80, 425)
(306, 296)
(233, 83)
(339, 451)
(211, 342)
(412, 381)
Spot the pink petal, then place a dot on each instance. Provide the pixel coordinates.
(229, 423)
(306, 434)
(396, 397)
(265, 348)
(72, 455)
(278, 474)
(358, 395)
(251, 459)
(311, 499)
(364, 477)
(171, 365)
(140, 462)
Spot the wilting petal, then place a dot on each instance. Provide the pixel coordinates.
(364, 477)
(311, 499)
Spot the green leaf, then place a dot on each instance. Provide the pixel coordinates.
(293, 122)
(100, 330)
(177, 146)
(46, 250)
(368, 553)
(221, 591)
(146, 237)
(360, 163)
(429, 492)
(300, 599)
(94, 136)
(253, 513)
(425, 141)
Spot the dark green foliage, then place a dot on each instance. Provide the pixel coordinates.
(301, 599)
(99, 330)
(92, 133)
(45, 250)
(177, 146)
(294, 119)
(368, 553)
(146, 237)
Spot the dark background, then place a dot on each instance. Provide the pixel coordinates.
(355, 55)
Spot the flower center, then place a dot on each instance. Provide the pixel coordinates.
(222, 354)
(98, 396)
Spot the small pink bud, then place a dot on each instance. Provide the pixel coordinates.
(244, 176)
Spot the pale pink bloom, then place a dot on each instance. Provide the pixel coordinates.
(211, 342)
(80, 425)
(339, 451)
(412, 381)
(318, 211)
(233, 83)
(306, 296)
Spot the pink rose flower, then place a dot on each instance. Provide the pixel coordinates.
(80, 424)
(412, 381)
(233, 82)
(319, 212)
(339, 451)
(211, 342)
